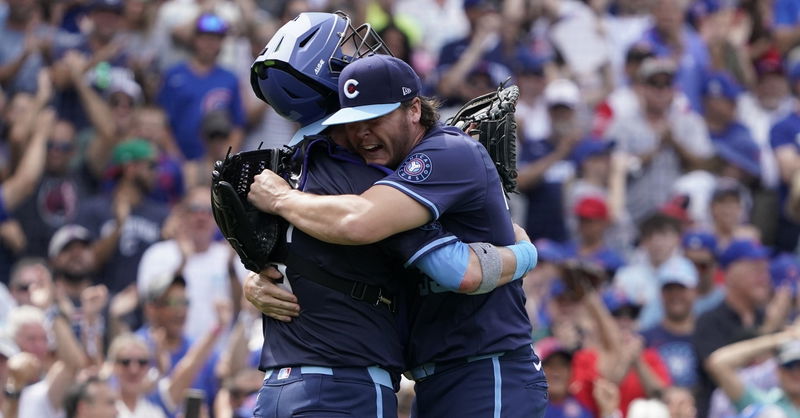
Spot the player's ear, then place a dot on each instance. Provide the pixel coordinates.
(415, 110)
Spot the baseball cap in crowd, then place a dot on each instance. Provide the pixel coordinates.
(769, 64)
(65, 236)
(157, 286)
(549, 347)
(652, 67)
(785, 271)
(131, 150)
(638, 53)
(528, 64)
(372, 87)
(212, 24)
(678, 270)
(216, 124)
(592, 207)
(7, 347)
(116, 6)
(721, 85)
(741, 151)
(699, 240)
(562, 92)
(618, 303)
(789, 353)
(727, 187)
(589, 147)
(742, 249)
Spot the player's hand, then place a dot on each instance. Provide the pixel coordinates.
(261, 291)
(267, 189)
(520, 234)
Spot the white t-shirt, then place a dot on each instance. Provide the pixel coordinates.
(143, 409)
(33, 403)
(206, 276)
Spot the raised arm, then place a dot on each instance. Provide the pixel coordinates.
(23, 182)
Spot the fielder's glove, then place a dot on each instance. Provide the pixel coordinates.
(491, 117)
(256, 236)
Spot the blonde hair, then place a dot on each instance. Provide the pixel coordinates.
(124, 341)
(23, 315)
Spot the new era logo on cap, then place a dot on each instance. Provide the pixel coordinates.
(372, 87)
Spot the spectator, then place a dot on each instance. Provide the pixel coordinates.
(638, 372)
(531, 115)
(25, 275)
(740, 316)
(194, 88)
(659, 240)
(544, 164)
(216, 130)
(24, 47)
(732, 140)
(206, 265)
(672, 336)
(102, 51)
(557, 364)
(166, 304)
(663, 136)
(680, 402)
(9, 399)
(125, 222)
(92, 398)
(623, 100)
(728, 213)
(484, 46)
(786, 28)
(787, 153)
(56, 198)
(593, 222)
(761, 107)
(725, 361)
(131, 359)
(670, 37)
(700, 247)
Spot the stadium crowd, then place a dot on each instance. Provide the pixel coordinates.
(659, 175)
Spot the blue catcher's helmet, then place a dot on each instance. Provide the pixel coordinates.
(297, 72)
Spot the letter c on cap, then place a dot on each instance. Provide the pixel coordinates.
(349, 88)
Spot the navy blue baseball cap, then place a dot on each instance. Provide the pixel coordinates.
(211, 23)
(721, 85)
(372, 87)
(590, 147)
(742, 249)
(740, 150)
(616, 300)
(785, 271)
(699, 240)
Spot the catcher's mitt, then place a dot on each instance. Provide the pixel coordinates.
(256, 236)
(491, 117)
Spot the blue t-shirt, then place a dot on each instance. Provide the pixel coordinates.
(785, 132)
(141, 230)
(205, 379)
(453, 176)
(569, 408)
(187, 97)
(692, 66)
(333, 329)
(545, 213)
(786, 12)
(677, 352)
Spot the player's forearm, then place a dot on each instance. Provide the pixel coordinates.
(339, 219)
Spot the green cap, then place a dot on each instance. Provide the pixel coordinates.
(136, 149)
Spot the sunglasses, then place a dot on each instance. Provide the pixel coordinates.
(59, 146)
(126, 362)
(660, 83)
(173, 303)
(793, 365)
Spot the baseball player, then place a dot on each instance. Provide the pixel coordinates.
(343, 355)
(475, 360)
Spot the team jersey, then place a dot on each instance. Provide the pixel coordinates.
(453, 176)
(333, 329)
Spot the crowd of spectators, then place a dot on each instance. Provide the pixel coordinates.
(659, 175)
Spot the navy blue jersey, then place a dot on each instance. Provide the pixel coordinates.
(333, 329)
(453, 176)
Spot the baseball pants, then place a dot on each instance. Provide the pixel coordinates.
(311, 391)
(505, 385)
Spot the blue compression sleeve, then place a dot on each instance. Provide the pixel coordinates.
(527, 257)
(446, 265)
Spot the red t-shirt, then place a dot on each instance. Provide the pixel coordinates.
(584, 373)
